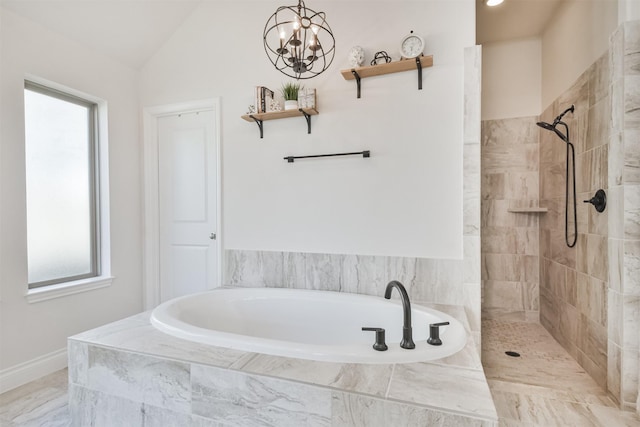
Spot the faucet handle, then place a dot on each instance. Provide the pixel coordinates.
(434, 333)
(379, 345)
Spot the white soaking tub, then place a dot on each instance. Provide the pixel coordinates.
(315, 325)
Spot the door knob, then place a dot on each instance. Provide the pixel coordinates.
(212, 236)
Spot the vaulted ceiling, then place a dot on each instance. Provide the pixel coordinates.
(131, 31)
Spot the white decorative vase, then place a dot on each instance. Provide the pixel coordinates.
(291, 104)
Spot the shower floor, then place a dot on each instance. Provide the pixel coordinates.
(545, 386)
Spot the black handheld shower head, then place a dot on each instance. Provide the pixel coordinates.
(545, 125)
(556, 122)
(570, 155)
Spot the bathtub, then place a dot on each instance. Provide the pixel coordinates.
(315, 325)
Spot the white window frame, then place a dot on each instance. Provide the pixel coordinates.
(102, 276)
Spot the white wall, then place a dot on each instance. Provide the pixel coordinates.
(28, 330)
(577, 35)
(511, 79)
(406, 200)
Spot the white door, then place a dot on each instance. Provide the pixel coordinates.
(187, 162)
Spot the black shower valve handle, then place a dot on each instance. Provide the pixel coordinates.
(599, 201)
(379, 345)
(434, 333)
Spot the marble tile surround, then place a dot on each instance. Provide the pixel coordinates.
(431, 280)
(128, 373)
(574, 281)
(510, 241)
(471, 223)
(624, 218)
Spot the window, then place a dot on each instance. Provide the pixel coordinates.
(61, 151)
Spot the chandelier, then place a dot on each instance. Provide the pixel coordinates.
(298, 41)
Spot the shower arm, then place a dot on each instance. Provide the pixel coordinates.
(558, 119)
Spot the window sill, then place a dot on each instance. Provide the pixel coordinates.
(63, 289)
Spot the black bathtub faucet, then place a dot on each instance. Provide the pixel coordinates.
(407, 338)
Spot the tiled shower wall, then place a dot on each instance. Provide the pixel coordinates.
(590, 294)
(574, 281)
(509, 240)
(624, 216)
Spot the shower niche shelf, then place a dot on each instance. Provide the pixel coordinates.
(534, 210)
(275, 115)
(392, 67)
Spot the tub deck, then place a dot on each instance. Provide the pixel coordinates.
(129, 373)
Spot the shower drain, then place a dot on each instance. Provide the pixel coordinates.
(512, 353)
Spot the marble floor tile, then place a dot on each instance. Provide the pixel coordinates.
(539, 411)
(601, 398)
(544, 386)
(542, 361)
(41, 402)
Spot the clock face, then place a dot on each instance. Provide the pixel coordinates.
(412, 46)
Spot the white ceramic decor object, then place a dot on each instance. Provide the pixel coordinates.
(356, 56)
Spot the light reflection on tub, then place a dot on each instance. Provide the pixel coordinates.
(315, 325)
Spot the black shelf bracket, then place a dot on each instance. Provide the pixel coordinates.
(419, 65)
(365, 154)
(259, 123)
(357, 76)
(307, 116)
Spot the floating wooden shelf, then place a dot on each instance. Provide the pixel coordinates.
(275, 115)
(392, 67)
(528, 210)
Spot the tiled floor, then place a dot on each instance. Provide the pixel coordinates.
(41, 403)
(544, 386)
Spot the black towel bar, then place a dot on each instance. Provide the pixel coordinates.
(290, 159)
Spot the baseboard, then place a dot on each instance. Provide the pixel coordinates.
(33, 369)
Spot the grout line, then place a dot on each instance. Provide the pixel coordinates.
(393, 370)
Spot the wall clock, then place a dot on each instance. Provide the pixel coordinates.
(411, 46)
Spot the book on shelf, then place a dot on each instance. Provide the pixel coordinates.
(307, 98)
(264, 98)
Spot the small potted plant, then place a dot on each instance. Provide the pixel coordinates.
(290, 94)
